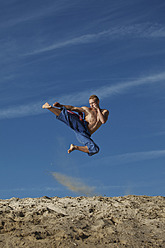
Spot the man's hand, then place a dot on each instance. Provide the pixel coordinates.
(96, 105)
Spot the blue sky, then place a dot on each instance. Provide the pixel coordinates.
(65, 51)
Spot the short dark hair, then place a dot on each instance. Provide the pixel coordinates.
(94, 97)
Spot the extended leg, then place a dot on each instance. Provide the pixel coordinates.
(79, 148)
(53, 110)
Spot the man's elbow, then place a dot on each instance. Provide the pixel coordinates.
(103, 121)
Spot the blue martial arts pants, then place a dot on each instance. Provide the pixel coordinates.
(80, 129)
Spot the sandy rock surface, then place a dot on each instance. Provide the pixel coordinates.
(130, 221)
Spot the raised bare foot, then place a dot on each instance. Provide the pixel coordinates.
(46, 106)
(57, 104)
(72, 148)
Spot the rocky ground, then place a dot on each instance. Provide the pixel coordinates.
(130, 221)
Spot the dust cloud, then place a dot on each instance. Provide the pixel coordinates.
(74, 184)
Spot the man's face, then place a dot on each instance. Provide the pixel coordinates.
(93, 103)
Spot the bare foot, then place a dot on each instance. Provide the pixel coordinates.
(46, 106)
(72, 148)
(57, 104)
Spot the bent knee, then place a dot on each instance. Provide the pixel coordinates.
(95, 149)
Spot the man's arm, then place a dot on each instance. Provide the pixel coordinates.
(69, 107)
(72, 108)
(103, 115)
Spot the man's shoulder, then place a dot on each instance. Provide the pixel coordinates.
(85, 108)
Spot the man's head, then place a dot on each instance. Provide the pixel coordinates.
(93, 100)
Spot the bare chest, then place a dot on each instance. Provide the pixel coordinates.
(92, 117)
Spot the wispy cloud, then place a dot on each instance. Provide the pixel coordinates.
(80, 98)
(138, 156)
(19, 191)
(21, 111)
(145, 30)
(130, 158)
(33, 12)
(124, 87)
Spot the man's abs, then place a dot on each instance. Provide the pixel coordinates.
(92, 120)
(93, 127)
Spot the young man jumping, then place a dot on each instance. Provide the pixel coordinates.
(85, 122)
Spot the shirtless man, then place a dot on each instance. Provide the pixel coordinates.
(94, 117)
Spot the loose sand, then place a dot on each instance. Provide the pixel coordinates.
(130, 221)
